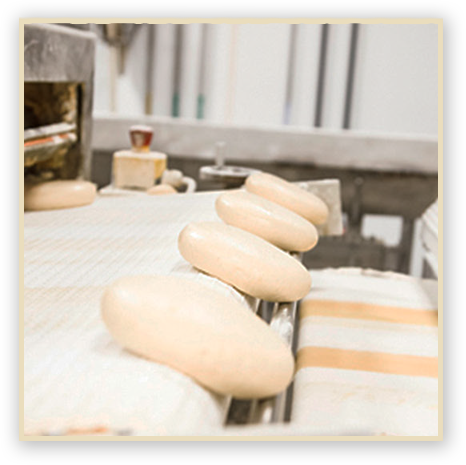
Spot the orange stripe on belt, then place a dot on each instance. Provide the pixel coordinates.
(365, 311)
(396, 364)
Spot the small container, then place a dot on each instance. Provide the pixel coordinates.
(138, 168)
(141, 137)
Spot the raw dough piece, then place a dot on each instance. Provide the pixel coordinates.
(259, 216)
(288, 195)
(200, 332)
(162, 189)
(244, 261)
(53, 195)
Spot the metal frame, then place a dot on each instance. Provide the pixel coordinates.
(58, 54)
(276, 409)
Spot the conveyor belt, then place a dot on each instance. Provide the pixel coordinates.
(75, 375)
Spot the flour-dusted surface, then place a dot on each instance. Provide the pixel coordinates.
(75, 375)
(367, 357)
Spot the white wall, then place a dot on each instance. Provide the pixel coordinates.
(336, 76)
(397, 79)
(162, 83)
(246, 74)
(260, 73)
(303, 101)
(126, 92)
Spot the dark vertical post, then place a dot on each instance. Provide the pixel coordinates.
(201, 93)
(150, 67)
(321, 77)
(350, 76)
(177, 70)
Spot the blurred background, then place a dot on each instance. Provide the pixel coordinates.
(353, 102)
(364, 77)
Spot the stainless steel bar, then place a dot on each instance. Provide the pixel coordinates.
(290, 74)
(177, 64)
(151, 38)
(48, 130)
(201, 88)
(321, 76)
(257, 308)
(273, 410)
(351, 76)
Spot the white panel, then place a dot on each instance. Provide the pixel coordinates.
(102, 88)
(385, 228)
(163, 72)
(190, 61)
(305, 75)
(336, 75)
(131, 85)
(397, 79)
(415, 266)
(217, 71)
(261, 68)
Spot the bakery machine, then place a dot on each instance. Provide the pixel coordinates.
(58, 93)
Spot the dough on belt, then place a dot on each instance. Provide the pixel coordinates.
(266, 219)
(244, 261)
(52, 195)
(288, 195)
(199, 332)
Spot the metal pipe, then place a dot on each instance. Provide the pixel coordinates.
(321, 76)
(350, 76)
(274, 409)
(177, 64)
(151, 37)
(290, 74)
(201, 91)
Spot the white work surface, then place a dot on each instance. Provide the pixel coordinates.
(75, 376)
(367, 358)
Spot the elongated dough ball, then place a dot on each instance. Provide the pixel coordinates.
(52, 195)
(200, 332)
(244, 261)
(272, 222)
(162, 189)
(288, 195)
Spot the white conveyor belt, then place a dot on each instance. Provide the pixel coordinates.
(75, 376)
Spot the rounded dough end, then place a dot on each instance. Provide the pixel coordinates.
(58, 194)
(162, 189)
(288, 195)
(268, 220)
(245, 261)
(200, 332)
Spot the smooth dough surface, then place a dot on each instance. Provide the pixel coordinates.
(200, 332)
(244, 261)
(162, 189)
(288, 195)
(52, 195)
(266, 219)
